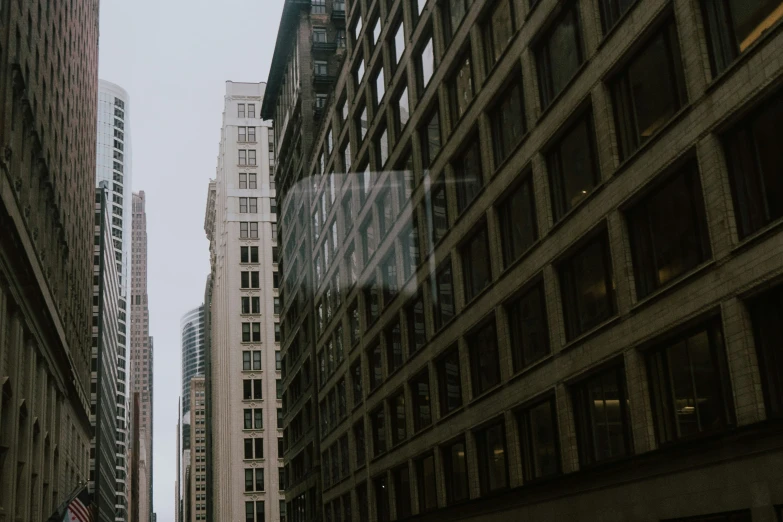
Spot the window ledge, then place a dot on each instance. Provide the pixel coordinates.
(530, 368)
(758, 236)
(486, 393)
(612, 30)
(573, 210)
(673, 286)
(630, 160)
(554, 101)
(524, 255)
(500, 166)
(591, 333)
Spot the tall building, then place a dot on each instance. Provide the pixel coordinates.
(197, 501)
(244, 376)
(103, 385)
(113, 167)
(553, 289)
(47, 189)
(310, 48)
(141, 351)
(192, 335)
(208, 431)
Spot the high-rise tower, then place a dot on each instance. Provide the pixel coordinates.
(244, 407)
(192, 330)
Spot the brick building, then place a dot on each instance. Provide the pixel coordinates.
(550, 285)
(48, 97)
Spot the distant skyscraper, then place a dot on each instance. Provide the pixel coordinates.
(113, 167)
(48, 94)
(244, 361)
(141, 363)
(192, 329)
(104, 351)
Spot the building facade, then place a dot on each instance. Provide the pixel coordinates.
(141, 354)
(103, 383)
(47, 189)
(113, 167)
(192, 332)
(198, 455)
(244, 377)
(552, 289)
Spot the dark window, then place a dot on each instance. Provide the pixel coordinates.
(498, 30)
(734, 516)
(573, 171)
(375, 364)
(430, 137)
(460, 87)
(428, 492)
(508, 119)
(417, 331)
(389, 272)
(443, 295)
(649, 91)
(587, 286)
(402, 491)
(318, 7)
(394, 351)
(733, 26)
(243, 256)
(449, 381)
(601, 415)
(397, 410)
(453, 13)
(372, 301)
(378, 422)
(455, 471)
(425, 64)
(755, 166)
(517, 216)
(381, 499)
(484, 357)
(360, 444)
(668, 230)
(767, 314)
(353, 319)
(687, 384)
(379, 86)
(356, 378)
(468, 178)
(402, 110)
(527, 322)
(612, 10)
(539, 440)
(476, 267)
(420, 392)
(492, 460)
(559, 55)
(437, 213)
(361, 123)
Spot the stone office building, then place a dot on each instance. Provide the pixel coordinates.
(553, 289)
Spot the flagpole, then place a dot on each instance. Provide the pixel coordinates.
(57, 515)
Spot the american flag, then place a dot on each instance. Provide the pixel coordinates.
(80, 509)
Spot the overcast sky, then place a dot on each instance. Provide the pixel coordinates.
(174, 57)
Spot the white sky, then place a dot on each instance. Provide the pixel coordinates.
(173, 57)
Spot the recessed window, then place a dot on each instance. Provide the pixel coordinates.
(402, 110)
(468, 176)
(460, 87)
(356, 382)
(357, 29)
(362, 502)
(559, 55)
(397, 411)
(402, 491)
(376, 33)
(755, 163)
(528, 326)
(420, 393)
(240, 110)
(767, 314)
(425, 65)
(538, 440)
(649, 91)
(397, 45)
(359, 74)
(379, 82)
(361, 123)
(453, 12)
(734, 25)
(428, 491)
(319, 35)
(612, 11)
(573, 171)
(410, 243)
(318, 7)
(449, 381)
(498, 30)
(437, 213)
(507, 119)
(492, 459)
(381, 488)
(378, 422)
(688, 384)
(251, 110)
(601, 415)
(242, 134)
(443, 295)
(359, 443)
(517, 216)
(375, 365)
(587, 286)
(668, 231)
(430, 137)
(389, 274)
(382, 147)
(394, 352)
(476, 266)
(417, 332)
(455, 471)
(484, 357)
